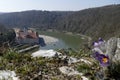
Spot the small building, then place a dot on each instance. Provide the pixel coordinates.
(26, 36)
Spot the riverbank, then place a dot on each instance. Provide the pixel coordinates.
(66, 40)
(49, 39)
(70, 33)
(52, 43)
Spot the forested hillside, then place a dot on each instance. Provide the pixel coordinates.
(41, 19)
(94, 22)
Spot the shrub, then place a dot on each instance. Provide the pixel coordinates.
(83, 68)
(11, 54)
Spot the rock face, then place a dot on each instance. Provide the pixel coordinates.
(113, 49)
(70, 71)
(117, 52)
(110, 48)
(45, 53)
(8, 75)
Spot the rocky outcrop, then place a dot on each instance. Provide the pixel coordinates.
(107, 53)
(113, 49)
(110, 48)
(8, 75)
(70, 71)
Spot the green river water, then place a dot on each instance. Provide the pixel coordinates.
(65, 40)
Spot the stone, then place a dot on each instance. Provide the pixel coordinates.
(111, 47)
(118, 43)
(117, 52)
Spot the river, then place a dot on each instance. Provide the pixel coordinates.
(65, 40)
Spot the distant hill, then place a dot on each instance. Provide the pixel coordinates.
(95, 22)
(33, 18)
(1, 13)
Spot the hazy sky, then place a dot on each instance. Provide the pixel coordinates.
(52, 5)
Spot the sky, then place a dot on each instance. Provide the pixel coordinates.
(52, 5)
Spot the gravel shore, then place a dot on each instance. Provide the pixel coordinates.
(49, 39)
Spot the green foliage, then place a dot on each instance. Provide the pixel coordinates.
(54, 79)
(11, 55)
(8, 36)
(78, 54)
(84, 68)
(23, 64)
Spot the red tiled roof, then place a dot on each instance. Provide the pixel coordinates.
(23, 35)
